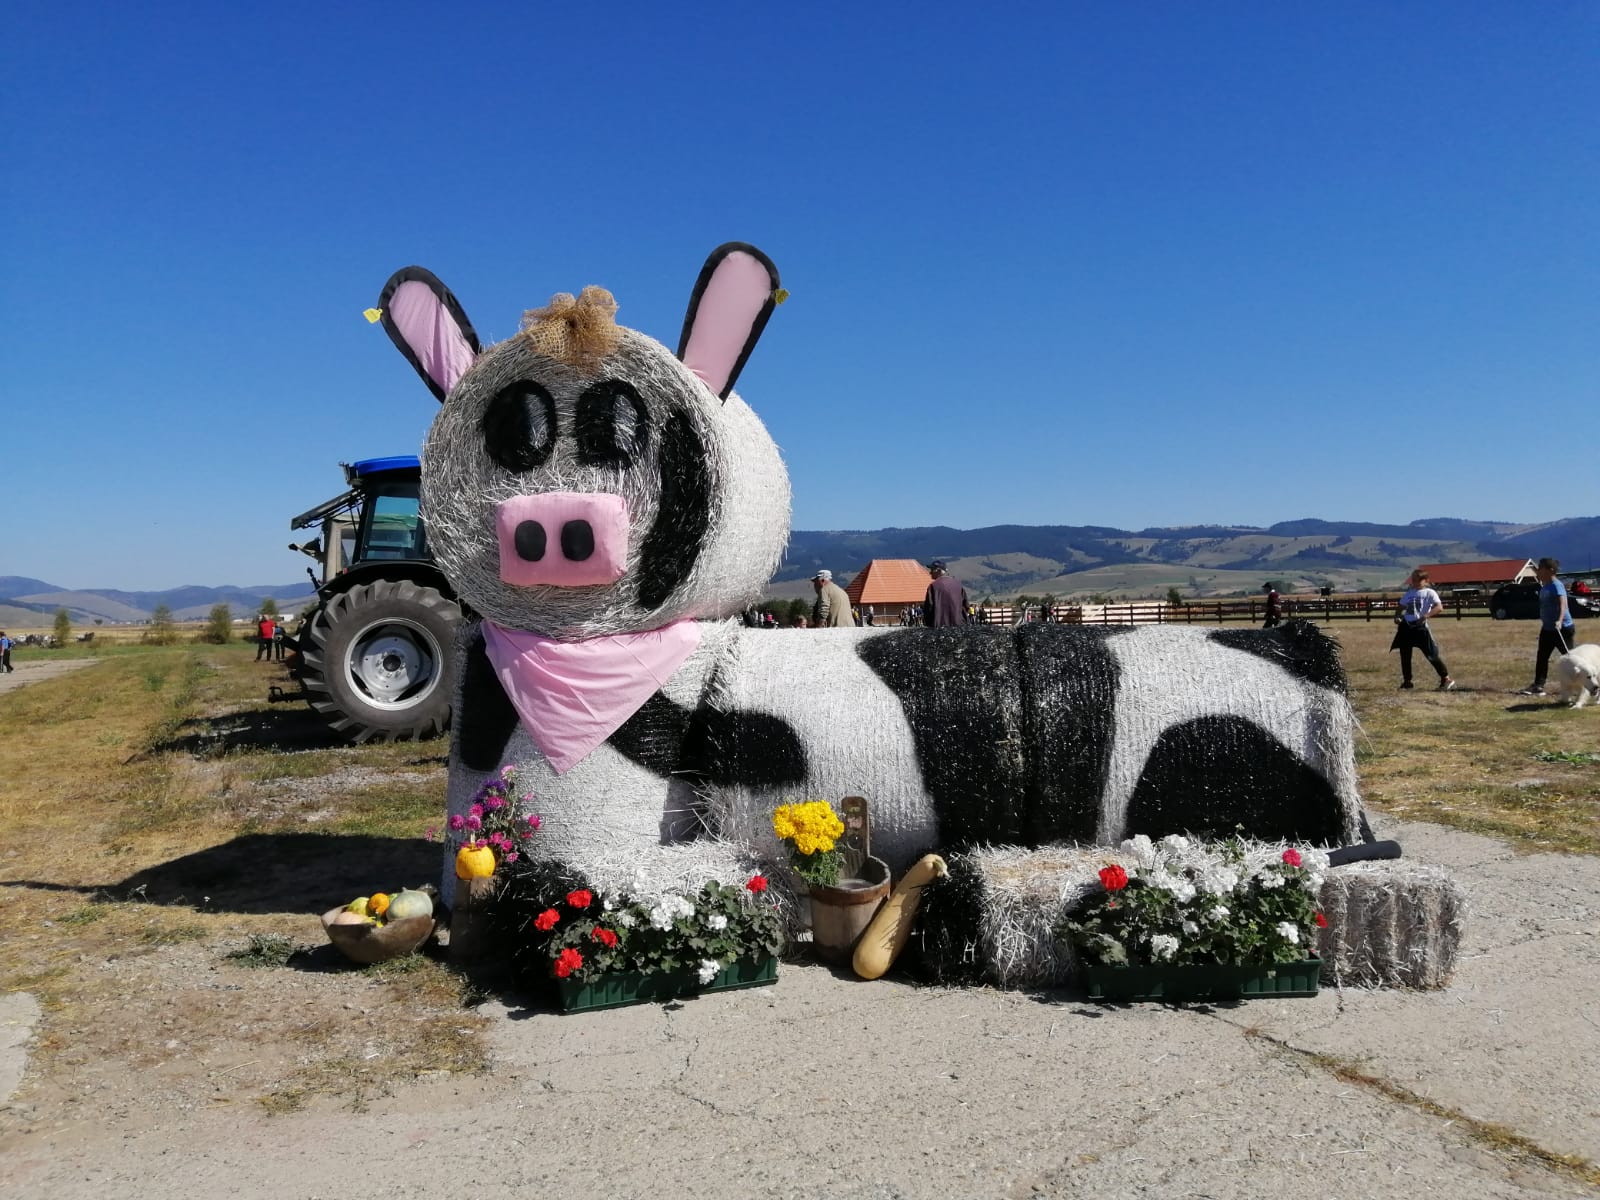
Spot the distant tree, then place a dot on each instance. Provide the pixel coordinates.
(99, 621)
(161, 631)
(63, 629)
(219, 625)
(269, 607)
(1174, 597)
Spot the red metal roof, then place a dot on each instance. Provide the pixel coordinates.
(1499, 570)
(890, 581)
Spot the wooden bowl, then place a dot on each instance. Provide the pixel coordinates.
(377, 943)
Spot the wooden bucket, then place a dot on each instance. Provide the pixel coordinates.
(841, 914)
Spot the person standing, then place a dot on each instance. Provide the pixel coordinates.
(946, 601)
(1273, 609)
(279, 636)
(265, 628)
(5, 653)
(1555, 623)
(832, 609)
(1418, 603)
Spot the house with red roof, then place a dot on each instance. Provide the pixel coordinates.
(889, 587)
(1463, 576)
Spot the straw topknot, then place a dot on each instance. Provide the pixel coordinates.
(578, 332)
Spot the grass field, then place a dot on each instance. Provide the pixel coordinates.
(160, 815)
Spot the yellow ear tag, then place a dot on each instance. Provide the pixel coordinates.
(779, 296)
(373, 315)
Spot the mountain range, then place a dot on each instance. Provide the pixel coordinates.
(1003, 560)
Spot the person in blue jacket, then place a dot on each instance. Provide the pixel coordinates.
(1555, 623)
(5, 652)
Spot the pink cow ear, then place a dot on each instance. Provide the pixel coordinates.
(423, 318)
(735, 294)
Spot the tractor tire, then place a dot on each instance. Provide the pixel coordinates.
(378, 661)
(1501, 614)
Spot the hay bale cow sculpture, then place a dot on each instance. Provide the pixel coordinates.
(606, 507)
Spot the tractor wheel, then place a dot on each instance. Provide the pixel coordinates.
(378, 660)
(1501, 614)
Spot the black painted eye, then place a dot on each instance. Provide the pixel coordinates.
(611, 427)
(519, 426)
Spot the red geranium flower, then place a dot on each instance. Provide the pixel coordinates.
(757, 884)
(568, 962)
(605, 937)
(1292, 856)
(1113, 878)
(546, 921)
(1322, 921)
(580, 898)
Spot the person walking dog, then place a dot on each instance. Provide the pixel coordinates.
(1555, 623)
(1417, 605)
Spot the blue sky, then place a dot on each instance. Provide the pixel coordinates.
(1073, 263)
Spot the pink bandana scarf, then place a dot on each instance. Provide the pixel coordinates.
(572, 696)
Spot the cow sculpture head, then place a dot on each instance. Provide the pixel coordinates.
(581, 479)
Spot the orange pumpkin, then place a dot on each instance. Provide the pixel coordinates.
(378, 904)
(474, 862)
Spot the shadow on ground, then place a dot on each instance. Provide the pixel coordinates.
(273, 873)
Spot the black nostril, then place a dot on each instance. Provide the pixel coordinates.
(577, 540)
(530, 540)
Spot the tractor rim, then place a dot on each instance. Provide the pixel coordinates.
(393, 665)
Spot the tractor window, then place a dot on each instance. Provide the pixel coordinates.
(392, 527)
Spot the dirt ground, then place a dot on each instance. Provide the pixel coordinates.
(24, 673)
(825, 1086)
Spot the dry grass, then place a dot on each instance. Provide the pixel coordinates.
(158, 814)
(1467, 758)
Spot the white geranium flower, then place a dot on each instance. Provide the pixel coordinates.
(1218, 881)
(708, 970)
(1183, 891)
(1175, 842)
(1190, 928)
(1141, 848)
(1290, 932)
(1269, 880)
(660, 917)
(1218, 912)
(626, 919)
(716, 922)
(1163, 946)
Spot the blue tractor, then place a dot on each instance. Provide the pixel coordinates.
(375, 653)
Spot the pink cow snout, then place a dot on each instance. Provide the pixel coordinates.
(567, 539)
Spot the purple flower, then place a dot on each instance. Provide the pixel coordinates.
(512, 857)
(507, 771)
(457, 822)
(475, 811)
(474, 822)
(533, 821)
(494, 802)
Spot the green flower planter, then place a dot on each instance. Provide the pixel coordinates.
(1172, 983)
(619, 988)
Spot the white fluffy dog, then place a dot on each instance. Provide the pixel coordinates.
(1577, 675)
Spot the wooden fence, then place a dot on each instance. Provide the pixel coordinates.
(1220, 612)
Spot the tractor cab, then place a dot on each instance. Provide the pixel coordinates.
(376, 519)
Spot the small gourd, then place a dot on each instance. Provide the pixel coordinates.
(378, 904)
(474, 862)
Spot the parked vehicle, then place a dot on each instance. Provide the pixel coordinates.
(375, 655)
(1520, 602)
